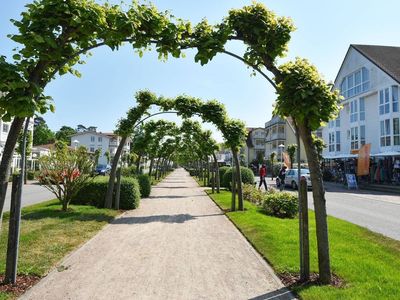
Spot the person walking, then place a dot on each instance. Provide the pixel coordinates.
(263, 175)
(282, 176)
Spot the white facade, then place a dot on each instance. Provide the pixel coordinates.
(255, 144)
(4, 130)
(370, 112)
(96, 140)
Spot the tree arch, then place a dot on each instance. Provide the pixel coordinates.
(211, 111)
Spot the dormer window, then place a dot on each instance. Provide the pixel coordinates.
(355, 83)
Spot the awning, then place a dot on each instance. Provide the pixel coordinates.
(389, 153)
(338, 156)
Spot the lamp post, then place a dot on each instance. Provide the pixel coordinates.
(281, 146)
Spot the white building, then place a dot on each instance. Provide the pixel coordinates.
(4, 130)
(369, 80)
(94, 140)
(255, 145)
(280, 131)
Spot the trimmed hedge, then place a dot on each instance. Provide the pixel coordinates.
(222, 171)
(145, 185)
(247, 177)
(129, 171)
(282, 204)
(94, 193)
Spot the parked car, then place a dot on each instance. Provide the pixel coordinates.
(103, 169)
(292, 178)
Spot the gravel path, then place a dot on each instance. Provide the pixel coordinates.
(177, 245)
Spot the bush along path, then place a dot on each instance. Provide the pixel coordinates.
(177, 245)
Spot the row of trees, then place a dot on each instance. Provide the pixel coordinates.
(212, 111)
(55, 35)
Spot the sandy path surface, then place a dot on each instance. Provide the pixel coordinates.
(177, 245)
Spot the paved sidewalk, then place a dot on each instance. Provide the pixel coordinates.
(177, 245)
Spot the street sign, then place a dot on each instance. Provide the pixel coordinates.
(351, 181)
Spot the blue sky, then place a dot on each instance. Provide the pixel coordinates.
(104, 93)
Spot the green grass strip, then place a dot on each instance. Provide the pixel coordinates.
(368, 262)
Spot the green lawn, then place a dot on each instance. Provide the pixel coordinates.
(369, 263)
(48, 234)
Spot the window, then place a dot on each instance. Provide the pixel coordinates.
(338, 121)
(396, 132)
(395, 98)
(385, 133)
(355, 83)
(353, 111)
(362, 135)
(100, 139)
(331, 141)
(331, 124)
(354, 138)
(337, 140)
(384, 106)
(92, 139)
(362, 109)
(6, 127)
(91, 149)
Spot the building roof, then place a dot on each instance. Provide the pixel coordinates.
(387, 58)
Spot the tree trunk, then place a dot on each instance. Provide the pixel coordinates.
(151, 166)
(319, 205)
(111, 181)
(138, 163)
(118, 190)
(6, 159)
(157, 170)
(216, 172)
(233, 204)
(239, 180)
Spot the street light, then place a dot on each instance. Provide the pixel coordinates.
(281, 146)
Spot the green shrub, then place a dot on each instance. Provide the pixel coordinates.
(222, 171)
(145, 185)
(252, 194)
(31, 175)
(94, 193)
(247, 177)
(282, 204)
(128, 171)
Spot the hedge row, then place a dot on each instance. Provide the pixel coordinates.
(94, 193)
(247, 177)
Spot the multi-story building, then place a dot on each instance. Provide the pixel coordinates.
(94, 140)
(278, 132)
(255, 145)
(369, 80)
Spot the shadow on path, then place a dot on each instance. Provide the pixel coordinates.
(281, 294)
(179, 218)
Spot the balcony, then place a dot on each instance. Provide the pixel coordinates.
(275, 136)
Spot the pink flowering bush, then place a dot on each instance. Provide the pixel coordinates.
(64, 171)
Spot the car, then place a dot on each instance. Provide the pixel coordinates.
(103, 169)
(291, 178)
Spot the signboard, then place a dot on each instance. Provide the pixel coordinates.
(286, 159)
(363, 160)
(351, 181)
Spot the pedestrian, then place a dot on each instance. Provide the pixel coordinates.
(282, 176)
(263, 175)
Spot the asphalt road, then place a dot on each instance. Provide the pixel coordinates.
(31, 193)
(376, 211)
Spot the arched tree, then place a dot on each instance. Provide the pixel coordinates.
(54, 35)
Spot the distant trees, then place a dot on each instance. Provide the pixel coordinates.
(42, 134)
(64, 134)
